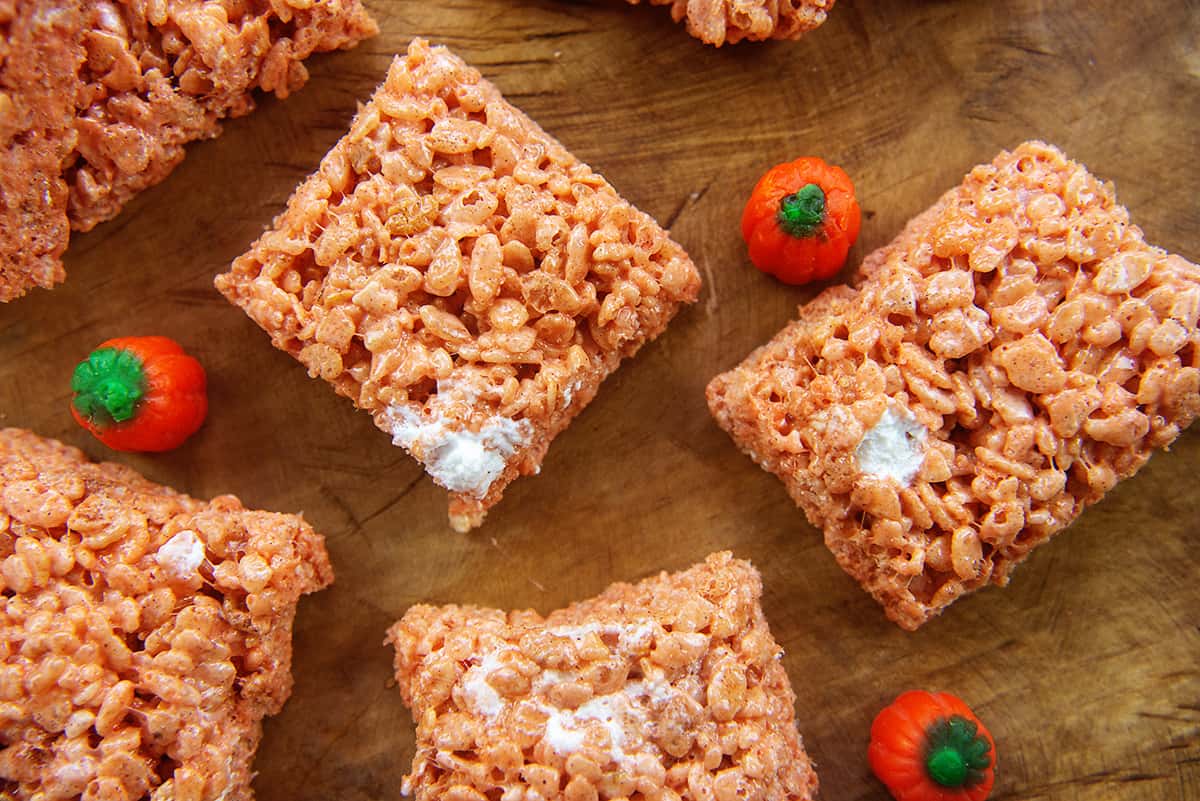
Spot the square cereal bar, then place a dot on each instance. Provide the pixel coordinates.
(717, 22)
(146, 634)
(98, 100)
(668, 689)
(458, 274)
(1001, 365)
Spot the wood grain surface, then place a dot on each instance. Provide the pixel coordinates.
(1085, 668)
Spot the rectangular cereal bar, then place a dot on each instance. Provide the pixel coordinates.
(146, 634)
(718, 22)
(98, 100)
(672, 688)
(1001, 365)
(454, 271)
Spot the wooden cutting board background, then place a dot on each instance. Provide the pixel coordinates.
(1085, 668)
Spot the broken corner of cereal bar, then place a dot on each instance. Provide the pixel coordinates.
(40, 57)
(1000, 366)
(146, 633)
(720, 22)
(669, 688)
(99, 99)
(454, 271)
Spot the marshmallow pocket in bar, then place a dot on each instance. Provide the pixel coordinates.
(146, 634)
(1000, 366)
(458, 274)
(719, 22)
(665, 690)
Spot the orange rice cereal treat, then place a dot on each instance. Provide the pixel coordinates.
(162, 73)
(145, 633)
(668, 689)
(457, 273)
(1010, 357)
(99, 98)
(717, 22)
(39, 59)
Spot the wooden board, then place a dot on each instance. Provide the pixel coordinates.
(1085, 668)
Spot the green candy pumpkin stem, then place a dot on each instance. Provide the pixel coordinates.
(108, 385)
(802, 212)
(946, 767)
(955, 754)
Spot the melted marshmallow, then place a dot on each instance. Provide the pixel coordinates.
(482, 697)
(576, 633)
(459, 460)
(560, 737)
(630, 637)
(892, 448)
(628, 711)
(181, 554)
(569, 391)
(622, 715)
(611, 710)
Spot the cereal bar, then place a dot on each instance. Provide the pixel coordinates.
(98, 99)
(717, 22)
(670, 689)
(453, 270)
(161, 74)
(39, 58)
(1000, 366)
(146, 634)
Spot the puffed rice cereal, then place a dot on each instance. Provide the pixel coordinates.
(99, 98)
(717, 22)
(454, 271)
(1000, 366)
(145, 633)
(669, 689)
